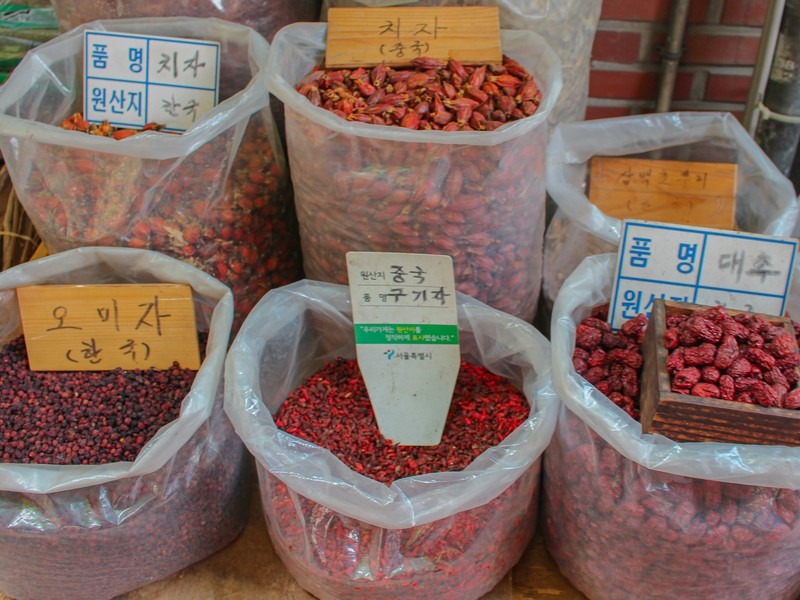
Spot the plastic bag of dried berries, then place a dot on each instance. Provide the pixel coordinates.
(765, 199)
(478, 196)
(568, 26)
(448, 535)
(265, 17)
(100, 530)
(217, 195)
(629, 515)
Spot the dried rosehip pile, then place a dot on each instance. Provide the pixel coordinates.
(611, 361)
(76, 122)
(742, 357)
(431, 94)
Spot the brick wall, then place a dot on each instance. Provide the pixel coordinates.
(720, 46)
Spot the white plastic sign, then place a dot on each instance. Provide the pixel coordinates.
(742, 271)
(131, 80)
(406, 331)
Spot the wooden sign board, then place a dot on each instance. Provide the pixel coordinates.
(686, 418)
(102, 327)
(668, 191)
(370, 36)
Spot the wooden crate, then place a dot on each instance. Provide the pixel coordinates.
(686, 418)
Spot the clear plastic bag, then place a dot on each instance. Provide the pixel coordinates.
(629, 515)
(765, 199)
(97, 531)
(217, 196)
(568, 26)
(265, 17)
(478, 196)
(343, 535)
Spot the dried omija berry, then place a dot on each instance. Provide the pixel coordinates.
(83, 417)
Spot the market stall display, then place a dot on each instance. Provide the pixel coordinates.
(87, 512)
(451, 534)
(217, 195)
(765, 200)
(477, 196)
(633, 515)
(568, 27)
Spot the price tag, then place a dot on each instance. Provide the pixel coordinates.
(370, 36)
(102, 327)
(406, 331)
(131, 80)
(741, 271)
(671, 191)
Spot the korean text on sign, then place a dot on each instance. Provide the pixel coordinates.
(703, 266)
(131, 80)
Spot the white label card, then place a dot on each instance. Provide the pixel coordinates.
(406, 330)
(741, 271)
(131, 80)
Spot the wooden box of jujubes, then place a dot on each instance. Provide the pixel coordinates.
(685, 417)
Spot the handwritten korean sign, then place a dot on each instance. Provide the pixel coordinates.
(102, 327)
(406, 332)
(131, 80)
(370, 36)
(685, 193)
(741, 271)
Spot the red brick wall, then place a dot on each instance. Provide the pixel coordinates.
(719, 51)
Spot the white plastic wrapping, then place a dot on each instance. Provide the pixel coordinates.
(765, 199)
(631, 515)
(292, 333)
(366, 187)
(216, 195)
(124, 524)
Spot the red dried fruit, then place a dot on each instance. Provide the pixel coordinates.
(630, 358)
(700, 355)
(587, 337)
(686, 378)
(704, 329)
(706, 390)
(727, 352)
(782, 345)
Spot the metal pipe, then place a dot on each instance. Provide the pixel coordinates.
(672, 54)
(779, 134)
(766, 53)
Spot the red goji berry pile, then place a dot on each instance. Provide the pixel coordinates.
(742, 357)
(332, 409)
(431, 94)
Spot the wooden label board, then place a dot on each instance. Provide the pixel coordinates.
(667, 191)
(370, 36)
(102, 327)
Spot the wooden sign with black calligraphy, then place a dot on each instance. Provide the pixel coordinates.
(667, 191)
(103, 327)
(363, 37)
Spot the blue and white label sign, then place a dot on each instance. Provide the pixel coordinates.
(131, 80)
(742, 271)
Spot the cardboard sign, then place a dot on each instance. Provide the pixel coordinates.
(131, 80)
(685, 193)
(102, 327)
(370, 36)
(744, 271)
(406, 331)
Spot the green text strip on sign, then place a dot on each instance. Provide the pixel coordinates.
(388, 333)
